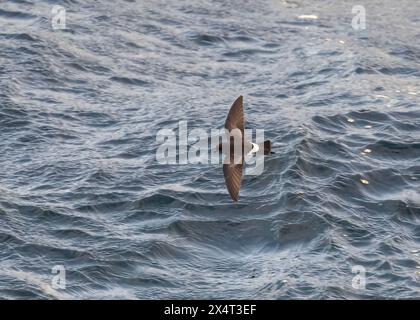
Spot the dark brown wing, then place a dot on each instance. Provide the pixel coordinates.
(235, 118)
(233, 176)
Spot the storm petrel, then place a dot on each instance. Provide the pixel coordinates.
(232, 170)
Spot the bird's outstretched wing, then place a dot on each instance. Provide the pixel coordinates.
(232, 170)
(235, 118)
(233, 176)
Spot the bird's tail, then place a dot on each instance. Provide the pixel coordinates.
(267, 147)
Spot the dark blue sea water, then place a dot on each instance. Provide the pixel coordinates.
(80, 186)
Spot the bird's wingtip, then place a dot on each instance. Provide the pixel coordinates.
(240, 98)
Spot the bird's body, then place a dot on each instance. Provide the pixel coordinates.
(238, 148)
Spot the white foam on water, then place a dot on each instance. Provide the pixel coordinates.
(308, 17)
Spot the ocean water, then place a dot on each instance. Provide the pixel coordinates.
(80, 186)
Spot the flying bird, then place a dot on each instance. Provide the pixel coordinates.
(233, 167)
